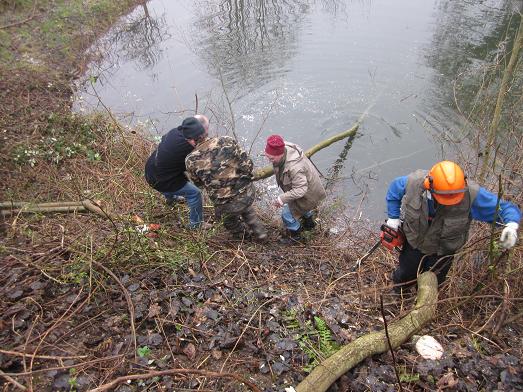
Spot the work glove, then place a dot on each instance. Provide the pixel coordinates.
(509, 235)
(393, 223)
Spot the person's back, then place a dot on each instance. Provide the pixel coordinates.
(221, 167)
(225, 171)
(165, 168)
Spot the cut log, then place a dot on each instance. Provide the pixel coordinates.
(13, 208)
(23, 204)
(268, 171)
(327, 372)
(32, 209)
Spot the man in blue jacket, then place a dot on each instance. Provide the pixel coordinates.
(437, 208)
(165, 168)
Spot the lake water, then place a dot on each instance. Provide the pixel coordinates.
(306, 70)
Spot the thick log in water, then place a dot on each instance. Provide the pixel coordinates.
(326, 373)
(268, 171)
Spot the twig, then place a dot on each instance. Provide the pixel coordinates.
(262, 124)
(196, 103)
(127, 298)
(394, 363)
(229, 103)
(245, 329)
(158, 373)
(13, 381)
(74, 365)
(58, 358)
(22, 21)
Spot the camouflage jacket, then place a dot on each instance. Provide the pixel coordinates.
(221, 167)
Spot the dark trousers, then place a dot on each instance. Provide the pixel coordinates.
(409, 263)
(239, 217)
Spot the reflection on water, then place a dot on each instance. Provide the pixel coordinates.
(138, 39)
(307, 70)
(248, 41)
(469, 44)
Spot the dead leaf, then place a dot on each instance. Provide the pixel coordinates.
(447, 381)
(190, 351)
(154, 226)
(137, 219)
(154, 310)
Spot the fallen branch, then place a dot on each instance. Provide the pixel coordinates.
(158, 373)
(326, 373)
(36, 209)
(58, 358)
(16, 207)
(269, 171)
(24, 204)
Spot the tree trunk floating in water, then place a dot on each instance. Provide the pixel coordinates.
(269, 171)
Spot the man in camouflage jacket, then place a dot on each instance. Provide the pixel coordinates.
(220, 166)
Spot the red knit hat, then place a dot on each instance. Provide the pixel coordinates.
(275, 145)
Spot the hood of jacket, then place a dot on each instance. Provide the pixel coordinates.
(294, 155)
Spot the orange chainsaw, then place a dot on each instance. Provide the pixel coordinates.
(389, 238)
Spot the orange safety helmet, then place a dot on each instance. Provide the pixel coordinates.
(447, 182)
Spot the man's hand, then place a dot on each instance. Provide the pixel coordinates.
(393, 223)
(277, 202)
(509, 235)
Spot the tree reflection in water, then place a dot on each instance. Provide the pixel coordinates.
(139, 38)
(248, 41)
(471, 46)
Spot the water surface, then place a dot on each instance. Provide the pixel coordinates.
(306, 70)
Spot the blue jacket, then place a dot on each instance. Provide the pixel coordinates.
(483, 208)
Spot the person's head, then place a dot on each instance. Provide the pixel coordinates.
(203, 120)
(275, 149)
(446, 182)
(193, 130)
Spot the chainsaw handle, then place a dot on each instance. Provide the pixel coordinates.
(391, 238)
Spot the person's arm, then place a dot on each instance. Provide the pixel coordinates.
(394, 196)
(245, 165)
(191, 171)
(299, 187)
(484, 208)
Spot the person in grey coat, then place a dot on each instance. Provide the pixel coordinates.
(300, 182)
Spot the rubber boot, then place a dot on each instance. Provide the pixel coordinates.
(293, 237)
(308, 223)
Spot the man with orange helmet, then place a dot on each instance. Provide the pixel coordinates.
(437, 208)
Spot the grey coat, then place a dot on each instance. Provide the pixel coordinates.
(300, 181)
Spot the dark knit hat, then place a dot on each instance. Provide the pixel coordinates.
(275, 145)
(191, 128)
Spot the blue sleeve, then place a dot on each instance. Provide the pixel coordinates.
(484, 208)
(394, 195)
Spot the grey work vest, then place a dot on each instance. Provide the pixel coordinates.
(448, 230)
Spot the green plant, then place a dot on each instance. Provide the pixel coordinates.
(315, 339)
(143, 351)
(73, 383)
(477, 345)
(406, 376)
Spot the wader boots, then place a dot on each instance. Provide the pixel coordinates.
(308, 223)
(293, 237)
